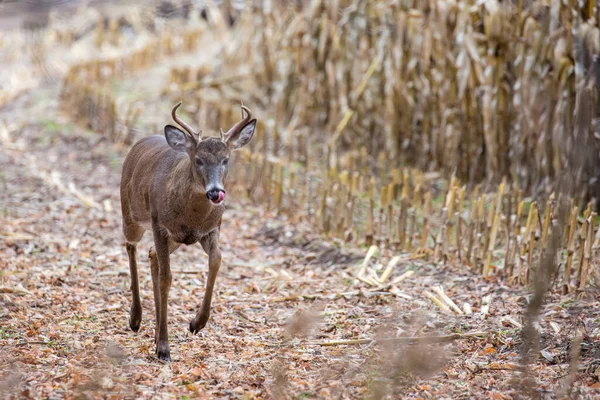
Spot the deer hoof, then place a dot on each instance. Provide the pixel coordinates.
(196, 326)
(163, 353)
(134, 325)
(135, 320)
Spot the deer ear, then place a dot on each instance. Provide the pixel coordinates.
(178, 140)
(243, 137)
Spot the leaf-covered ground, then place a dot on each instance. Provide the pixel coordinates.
(282, 292)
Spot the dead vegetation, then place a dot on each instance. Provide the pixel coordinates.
(418, 168)
(351, 86)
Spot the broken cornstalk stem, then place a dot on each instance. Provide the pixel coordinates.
(414, 339)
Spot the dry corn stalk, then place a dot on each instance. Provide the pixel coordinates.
(587, 253)
(570, 250)
(494, 230)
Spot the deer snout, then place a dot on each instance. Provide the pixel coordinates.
(216, 195)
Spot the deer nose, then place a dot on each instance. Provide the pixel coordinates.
(216, 195)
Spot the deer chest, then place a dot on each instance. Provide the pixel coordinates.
(187, 235)
(191, 229)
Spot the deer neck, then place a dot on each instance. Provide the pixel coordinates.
(182, 181)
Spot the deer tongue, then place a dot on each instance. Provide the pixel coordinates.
(220, 199)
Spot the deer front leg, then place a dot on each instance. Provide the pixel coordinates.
(135, 314)
(210, 244)
(161, 243)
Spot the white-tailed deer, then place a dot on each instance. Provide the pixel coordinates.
(174, 185)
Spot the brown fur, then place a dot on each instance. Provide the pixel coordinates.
(164, 188)
(170, 181)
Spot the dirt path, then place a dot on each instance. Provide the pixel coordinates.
(64, 321)
(64, 300)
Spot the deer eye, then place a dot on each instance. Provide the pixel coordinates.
(226, 161)
(199, 162)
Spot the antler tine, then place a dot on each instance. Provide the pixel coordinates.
(234, 129)
(193, 133)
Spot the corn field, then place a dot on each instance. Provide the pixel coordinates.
(453, 131)
(479, 91)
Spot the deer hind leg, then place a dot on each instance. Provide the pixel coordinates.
(156, 282)
(155, 289)
(210, 244)
(161, 283)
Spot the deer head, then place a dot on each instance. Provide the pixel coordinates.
(209, 156)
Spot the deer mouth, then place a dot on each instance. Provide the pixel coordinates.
(216, 196)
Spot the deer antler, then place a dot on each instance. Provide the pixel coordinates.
(236, 128)
(193, 133)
